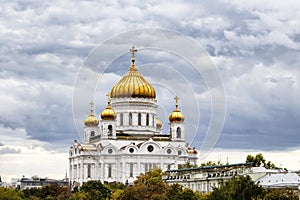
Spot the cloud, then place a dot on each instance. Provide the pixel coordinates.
(8, 150)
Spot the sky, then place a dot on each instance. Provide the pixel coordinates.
(253, 46)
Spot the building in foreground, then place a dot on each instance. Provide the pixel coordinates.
(205, 178)
(128, 139)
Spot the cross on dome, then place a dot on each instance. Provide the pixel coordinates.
(92, 106)
(176, 99)
(132, 50)
(108, 97)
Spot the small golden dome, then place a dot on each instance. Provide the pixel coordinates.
(133, 84)
(158, 123)
(108, 113)
(176, 115)
(91, 120)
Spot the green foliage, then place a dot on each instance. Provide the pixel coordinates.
(10, 194)
(259, 160)
(242, 188)
(211, 163)
(275, 195)
(151, 186)
(147, 186)
(187, 165)
(48, 192)
(95, 190)
(188, 194)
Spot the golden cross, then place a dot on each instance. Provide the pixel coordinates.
(176, 99)
(132, 52)
(92, 106)
(108, 97)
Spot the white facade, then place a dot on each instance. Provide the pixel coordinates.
(127, 141)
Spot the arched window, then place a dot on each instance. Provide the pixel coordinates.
(109, 171)
(92, 133)
(131, 170)
(121, 119)
(147, 119)
(139, 119)
(109, 130)
(178, 132)
(153, 124)
(89, 171)
(130, 119)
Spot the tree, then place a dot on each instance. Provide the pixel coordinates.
(147, 186)
(53, 191)
(187, 165)
(95, 190)
(275, 195)
(259, 160)
(10, 194)
(174, 191)
(211, 163)
(242, 188)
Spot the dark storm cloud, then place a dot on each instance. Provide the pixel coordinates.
(255, 46)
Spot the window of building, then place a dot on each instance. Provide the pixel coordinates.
(130, 119)
(131, 150)
(147, 119)
(109, 130)
(139, 119)
(153, 124)
(131, 170)
(89, 171)
(169, 151)
(150, 148)
(92, 133)
(178, 132)
(121, 119)
(109, 171)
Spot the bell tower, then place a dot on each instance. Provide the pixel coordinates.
(90, 125)
(176, 119)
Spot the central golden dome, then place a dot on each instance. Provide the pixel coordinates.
(133, 84)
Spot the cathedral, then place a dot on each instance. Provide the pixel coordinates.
(128, 139)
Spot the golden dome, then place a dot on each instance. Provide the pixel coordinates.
(133, 84)
(158, 123)
(91, 120)
(176, 115)
(108, 113)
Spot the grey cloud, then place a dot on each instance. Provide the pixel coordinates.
(8, 150)
(43, 46)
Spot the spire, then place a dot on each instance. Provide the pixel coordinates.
(176, 115)
(176, 100)
(92, 107)
(91, 120)
(108, 98)
(108, 113)
(132, 50)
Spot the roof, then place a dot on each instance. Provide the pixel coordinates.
(279, 180)
(212, 167)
